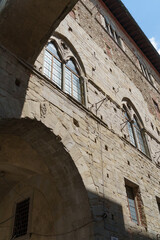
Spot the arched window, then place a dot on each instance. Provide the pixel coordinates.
(139, 136)
(130, 128)
(53, 64)
(63, 72)
(135, 128)
(72, 81)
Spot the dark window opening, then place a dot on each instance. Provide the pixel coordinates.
(159, 206)
(21, 218)
(156, 105)
(158, 203)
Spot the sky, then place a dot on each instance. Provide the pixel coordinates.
(147, 15)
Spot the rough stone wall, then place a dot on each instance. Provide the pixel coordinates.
(111, 75)
(39, 168)
(92, 136)
(128, 60)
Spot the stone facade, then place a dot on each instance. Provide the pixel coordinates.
(74, 160)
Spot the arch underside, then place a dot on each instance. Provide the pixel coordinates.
(35, 164)
(25, 26)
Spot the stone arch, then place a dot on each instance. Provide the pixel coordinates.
(53, 41)
(127, 100)
(35, 163)
(38, 20)
(73, 49)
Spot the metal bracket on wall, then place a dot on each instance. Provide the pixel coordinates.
(100, 104)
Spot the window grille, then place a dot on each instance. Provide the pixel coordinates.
(21, 218)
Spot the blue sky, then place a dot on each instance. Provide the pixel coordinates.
(147, 15)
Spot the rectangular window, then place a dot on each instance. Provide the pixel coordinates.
(135, 203)
(21, 218)
(132, 204)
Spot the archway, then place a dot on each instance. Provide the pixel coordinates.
(34, 164)
(26, 25)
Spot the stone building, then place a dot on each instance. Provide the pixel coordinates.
(79, 123)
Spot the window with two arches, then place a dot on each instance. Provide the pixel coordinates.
(135, 128)
(64, 73)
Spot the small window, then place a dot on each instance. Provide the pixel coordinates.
(158, 203)
(158, 206)
(156, 105)
(130, 129)
(72, 81)
(147, 75)
(106, 24)
(112, 32)
(53, 64)
(132, 204)
(21, 218)
(118, 39)
(139, 136)
(135, 203)
(145, 72)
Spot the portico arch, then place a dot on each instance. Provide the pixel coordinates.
(26, 25)
(35, 164)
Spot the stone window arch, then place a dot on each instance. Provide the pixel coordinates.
(62, 68)
(135, 127)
